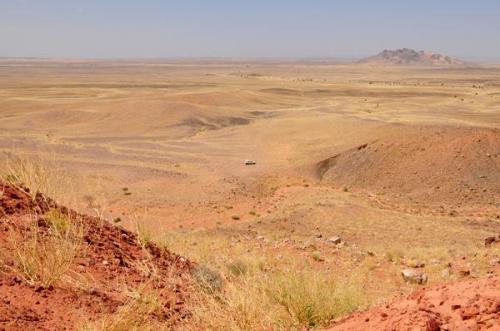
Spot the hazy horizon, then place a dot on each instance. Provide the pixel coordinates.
(246, 30)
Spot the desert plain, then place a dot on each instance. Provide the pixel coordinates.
(361, 170)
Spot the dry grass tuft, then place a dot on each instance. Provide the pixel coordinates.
(144, 234)
(237, 268)
(311, 299)
(59, 223)
(134, 315)
(273, 301)
(38, 174)
(242, 306)
(44, 258)
(263, 291)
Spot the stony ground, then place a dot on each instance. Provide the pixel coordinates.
(401, 163)
(109, 265)
(472, 304)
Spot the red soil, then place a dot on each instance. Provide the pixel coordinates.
(436, 169)
(472, 304)
(110, 261)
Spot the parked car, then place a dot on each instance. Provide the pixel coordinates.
(250, 162)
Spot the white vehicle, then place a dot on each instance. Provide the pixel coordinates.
(250, 162)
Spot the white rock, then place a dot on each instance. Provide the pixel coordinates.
(445, 273)
(334, 240)
(413, 276)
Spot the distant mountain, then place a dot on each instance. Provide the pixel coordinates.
(407, 56)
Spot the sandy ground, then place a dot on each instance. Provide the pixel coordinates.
(414, 152)
(177, 134)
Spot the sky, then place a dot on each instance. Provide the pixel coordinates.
(247, 28)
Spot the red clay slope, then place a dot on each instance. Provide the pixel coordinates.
(472, 304)
(109, 262)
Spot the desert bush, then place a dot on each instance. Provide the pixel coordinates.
(209, 279)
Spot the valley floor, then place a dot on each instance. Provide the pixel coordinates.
(402, 164)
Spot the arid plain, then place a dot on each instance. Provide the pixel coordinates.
(401, 163)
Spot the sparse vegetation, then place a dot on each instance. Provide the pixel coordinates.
(44, 258)
(134, 315)
(144, 233)
(37, 174)
(316, 255)
(262, 290)
(311, 299)
(97, 204)
(237, 268)
(59, 223)
(275, 300)
(259, 239)
(210, 280)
